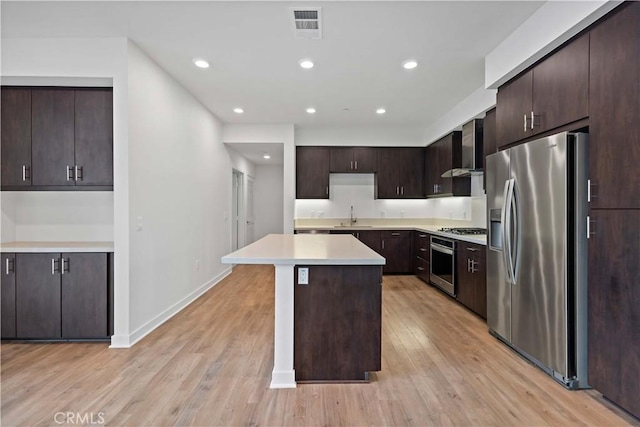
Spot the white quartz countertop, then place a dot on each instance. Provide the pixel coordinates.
(480, 239)
(310, 249)
(45, 247)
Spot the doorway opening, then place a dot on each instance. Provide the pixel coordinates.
(237, 204)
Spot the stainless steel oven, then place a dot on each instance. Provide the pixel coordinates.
(443, 264)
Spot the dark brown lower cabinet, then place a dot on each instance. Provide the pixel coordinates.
(614, 306)
(421, 255)
(337, 323)
(8, 296)
(59, 296)
(396, 249)
(471, 280)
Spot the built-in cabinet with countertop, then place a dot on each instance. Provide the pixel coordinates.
(471, 279)
(57, 138)
(56, 296)
(552, 93)
(442, 156)
(592, 81)
(393, 245)
(353, 160)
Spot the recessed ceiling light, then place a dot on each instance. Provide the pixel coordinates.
(306, 63)
(238, 110)
(410, 64)
(381, 111)
(201, 63)
(311, 110)
(266, 156)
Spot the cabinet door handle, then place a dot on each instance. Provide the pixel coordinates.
(473, 266)
(24, 172)
(397, 190)
(327, 190)
(589, 232)
(591, 194)
(383, 244)
(351, 165)
(53, 265)
(356, 162)
(62, 267)
(68, 173)
(468, 265)
(402, 190)
(532, 119)
(6, 266)
(525, 122)
(78, 176)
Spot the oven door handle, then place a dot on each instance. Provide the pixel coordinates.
(441, 248)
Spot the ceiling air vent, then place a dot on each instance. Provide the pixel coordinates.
(306, 22)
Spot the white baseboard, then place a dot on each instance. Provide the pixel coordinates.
(126, 341)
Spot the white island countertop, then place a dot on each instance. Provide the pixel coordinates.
(53, 247)
(311, 249)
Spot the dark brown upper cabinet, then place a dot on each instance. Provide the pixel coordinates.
(16, 136)
(614, 104)
(312, 172)
(52, 140)
(442, 156)
(353, 160)
(400, 173)
(553, 93)
(489, 144)
(94, 137)
(57, 138)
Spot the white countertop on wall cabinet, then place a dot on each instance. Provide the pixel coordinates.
(54, 247)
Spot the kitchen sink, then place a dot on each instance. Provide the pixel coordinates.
(351, 226)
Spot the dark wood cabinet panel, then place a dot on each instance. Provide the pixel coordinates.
(421, 255)
(489, 141)
(614, 306)
(411, 173)
(442, 156)
(371, 238)
(387, 185)
(337, 323)
(561, 86)
(94, 136)
(514, 102)
(471, 282)
(312, 172)
(8, 296)
(37, 296)
(52, 139)
(365, 159)
(84, 295)
(400, 173)
(614, 104)
(353, 159)
(16, 136)
(396, 249)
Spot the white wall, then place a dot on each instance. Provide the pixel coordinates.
(268, 200)
(180, 184)
(378, 136)
(58, 215)
(284, 134)
(357, 190)
(8, 206)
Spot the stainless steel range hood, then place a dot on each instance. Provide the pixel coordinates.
(471, 151)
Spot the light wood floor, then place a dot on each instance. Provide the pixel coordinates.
(211, 365)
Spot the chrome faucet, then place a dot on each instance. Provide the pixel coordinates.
(352, 219)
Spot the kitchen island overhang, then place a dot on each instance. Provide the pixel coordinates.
(285, 252)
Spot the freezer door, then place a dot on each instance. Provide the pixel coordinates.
(539, 250)
(498, 289)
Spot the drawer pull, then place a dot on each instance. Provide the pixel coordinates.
(420, 268)
(423, 249)
(395, 234)
(472, 249)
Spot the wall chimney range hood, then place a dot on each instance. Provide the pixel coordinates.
(471, 151)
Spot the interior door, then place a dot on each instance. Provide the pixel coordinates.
(539, 299)
(249, 213)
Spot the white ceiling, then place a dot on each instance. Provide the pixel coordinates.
(254, 55)
(254, 152)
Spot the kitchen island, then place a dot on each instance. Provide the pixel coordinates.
(333, 323)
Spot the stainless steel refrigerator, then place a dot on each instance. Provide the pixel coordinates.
(536, 257)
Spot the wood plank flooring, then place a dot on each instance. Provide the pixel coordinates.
(211, 365)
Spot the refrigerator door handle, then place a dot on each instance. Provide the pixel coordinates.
(506, 247)
(516, 241)
(508, 240)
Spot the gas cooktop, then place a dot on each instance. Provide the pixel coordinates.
(463, 230)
